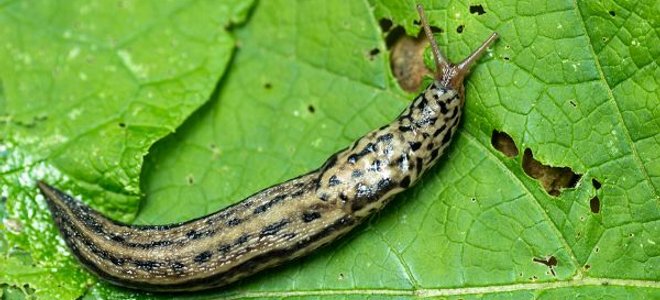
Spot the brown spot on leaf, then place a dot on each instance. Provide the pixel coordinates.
(504, 143)
(594, 204)
(553, 179)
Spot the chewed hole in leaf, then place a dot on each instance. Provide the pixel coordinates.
(311, 109)
(612, 13)
(373, 52)
(594, 204)
(407, 58)
(385, 24)
(596, 183)
(551, 262)
(504, 143)
(268, 85)
(553, 179)
(460, 28)
(477, 9)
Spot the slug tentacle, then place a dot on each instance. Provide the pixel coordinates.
(281, 222)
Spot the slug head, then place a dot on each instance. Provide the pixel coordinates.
(447, 73)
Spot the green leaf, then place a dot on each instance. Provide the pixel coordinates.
(574, 83)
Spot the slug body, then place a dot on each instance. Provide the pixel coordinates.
(279, 223)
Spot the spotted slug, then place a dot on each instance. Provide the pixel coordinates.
(282, 222)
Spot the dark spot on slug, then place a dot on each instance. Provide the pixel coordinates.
(233, 222)
(193, 234)
(405, 128)
(242, 239)
(118, 239)
(203, 257)
(385, 24)
(596, 183)
(446, 138)
(146, 264)
(443, 107)
(594, 204)
(343, 196)
(384, 184)
(356, 174)
(375, 166)
(504, 143)
(264, 207)
(117, 261)
(477, 9)
(177, 266)
(422, 103)
(385, 138)
(224, 248)
(405, 183)
(419, 164)
(434, 153)
(333, 181)
(324, 197)
(274, 228)
(430, 146)
(414, 146)
(310, 216)
(439, 130)
(460, 28)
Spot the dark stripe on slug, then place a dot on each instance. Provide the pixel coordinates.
(274, 228)
(276, 255)
(440, 130)
(224, 248)
(242, 239)
(147, 264)
(414, 146)
(420, 165)
(405, 128)
(310, 216)
(443, 107)
(333, 180)
(446, 138)
(405, 182)
(203, 257)
(385, 138)
(234, 222)
(264, 207)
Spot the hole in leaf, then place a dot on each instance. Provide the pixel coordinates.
(612, 13)
(191, 179)
(572, 103)
(504, 143)
(407, 58)
(311, 108)
(122, 125)
(587, 267)
(553, 179)
(597, 249)
(596, 183)
(373, 52)
(460, 28)
(385, 24)
(506, 58)
(477, 9)
(550, 262)
(594, 204)
(417, 22)
(268, 85)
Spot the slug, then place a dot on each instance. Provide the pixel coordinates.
(282, 222)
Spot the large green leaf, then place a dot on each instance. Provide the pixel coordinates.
(575, 83)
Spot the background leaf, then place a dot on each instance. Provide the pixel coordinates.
(577, 84)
